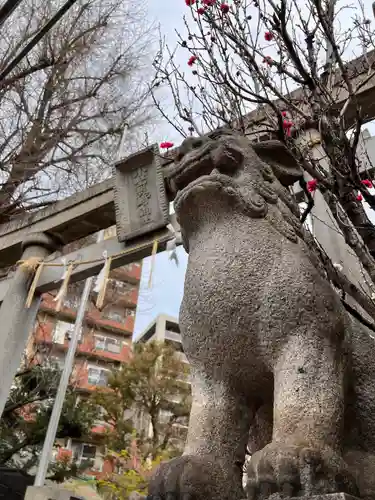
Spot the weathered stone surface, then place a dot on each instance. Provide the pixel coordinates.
(271, 347)
(136, 496)
(49, 493)
(333, 496)
(140, 198)
(73, 218)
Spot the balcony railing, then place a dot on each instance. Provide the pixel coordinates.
(108, 345)
(131, 272)
(122, 293)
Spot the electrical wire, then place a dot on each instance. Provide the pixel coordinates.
(43, 31)
(7, 9)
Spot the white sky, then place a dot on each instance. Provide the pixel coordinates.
(168, 14)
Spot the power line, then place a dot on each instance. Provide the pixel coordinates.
(7, 9)
(43, 31)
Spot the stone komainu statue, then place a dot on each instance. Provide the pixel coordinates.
(271, 348)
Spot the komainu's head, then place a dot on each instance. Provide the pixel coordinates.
(224, 171)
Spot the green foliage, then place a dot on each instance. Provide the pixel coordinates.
(154, 384)
(27, 412)
(65, 468)
(133, 478)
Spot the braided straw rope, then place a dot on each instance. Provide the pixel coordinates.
(36, 265)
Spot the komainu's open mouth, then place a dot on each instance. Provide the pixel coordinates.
(204, 166)
(215, 181)
(189, 170)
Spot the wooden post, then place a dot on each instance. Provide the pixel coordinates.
(15, 319)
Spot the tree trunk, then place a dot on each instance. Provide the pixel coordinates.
(155, 432)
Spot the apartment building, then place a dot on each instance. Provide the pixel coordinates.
(165, 329)
(105, 342)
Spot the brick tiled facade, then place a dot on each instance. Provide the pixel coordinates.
(105, 342)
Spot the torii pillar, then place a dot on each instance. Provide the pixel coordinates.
(16, 321)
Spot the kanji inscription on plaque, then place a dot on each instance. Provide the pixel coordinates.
(140, 197)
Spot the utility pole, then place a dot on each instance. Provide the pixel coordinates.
(64, 381)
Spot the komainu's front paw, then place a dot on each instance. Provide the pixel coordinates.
(284, 470)
(195, 478)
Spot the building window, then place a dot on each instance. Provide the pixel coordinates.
(107, 344)
(97, 376)
(88, 452)
(62, 331)
(164, 416)
(109, 232)
(72, 302)
(100, 413)
(119, 316)
(176, 337)
(115, 316)
(57, 361)
(120, 286)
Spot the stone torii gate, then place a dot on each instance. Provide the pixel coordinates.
(134, 199)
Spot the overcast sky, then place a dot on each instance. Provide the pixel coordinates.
(167, 284)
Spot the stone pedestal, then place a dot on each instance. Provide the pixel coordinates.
(332, 496)
(50, 493)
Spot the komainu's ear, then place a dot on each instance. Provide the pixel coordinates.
(283, 163)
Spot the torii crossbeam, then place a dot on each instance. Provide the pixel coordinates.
(135, 199)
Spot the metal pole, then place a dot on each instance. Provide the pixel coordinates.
(64, 382)
(15, 319)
